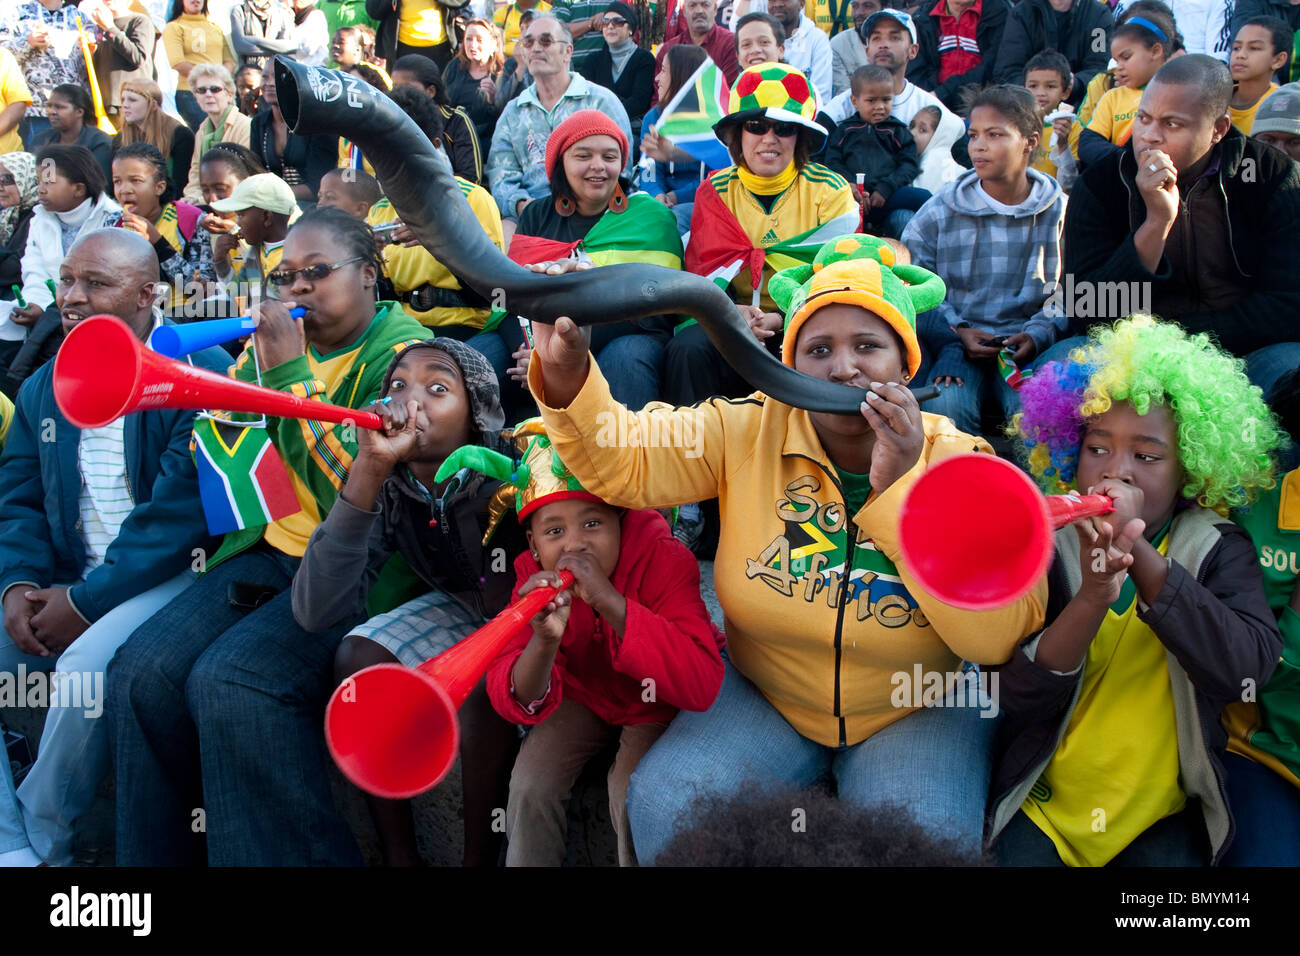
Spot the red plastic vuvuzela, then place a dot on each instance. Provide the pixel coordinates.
(977, 534)
(103, 372)
(393, 731)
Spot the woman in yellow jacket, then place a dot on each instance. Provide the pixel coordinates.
(839, 660)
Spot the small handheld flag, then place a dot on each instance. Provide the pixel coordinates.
(1010, 371)
(242, 480)
(687, 120)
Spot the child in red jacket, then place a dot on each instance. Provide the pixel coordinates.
(616, 656)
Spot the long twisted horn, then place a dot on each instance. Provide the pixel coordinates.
(418, 182)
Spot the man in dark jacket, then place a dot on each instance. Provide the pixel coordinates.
(1194, 223)
(1079, 29)
(392, 505)
(957, 42)
(99, 528)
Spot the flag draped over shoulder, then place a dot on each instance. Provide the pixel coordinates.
(719, 247)
(687, 121)
(243, 482)
(645, 233)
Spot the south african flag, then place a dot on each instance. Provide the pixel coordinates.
(242, 481)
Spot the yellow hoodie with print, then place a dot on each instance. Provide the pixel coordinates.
(826, 648)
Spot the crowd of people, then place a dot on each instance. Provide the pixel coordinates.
(1073, 217)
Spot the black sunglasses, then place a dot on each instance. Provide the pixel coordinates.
(283, 277)
(7, 179)
(759, 127)
(613, 22)
(208, 89)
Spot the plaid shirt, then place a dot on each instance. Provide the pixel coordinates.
(516, 164)
(1000, 269)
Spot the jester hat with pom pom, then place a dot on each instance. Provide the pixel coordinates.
(536, 478)
(857, 270)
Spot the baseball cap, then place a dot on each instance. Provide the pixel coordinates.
(889, 12)
(1280, 113)
(263, 191)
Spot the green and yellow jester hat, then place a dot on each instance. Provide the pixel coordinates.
(857, 270)
(536, 478)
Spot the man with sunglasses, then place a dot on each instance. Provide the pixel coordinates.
(716, 40)
(98, 530)
(516, 165)
(264, 206)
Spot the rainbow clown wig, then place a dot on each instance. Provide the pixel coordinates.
(1226, 434)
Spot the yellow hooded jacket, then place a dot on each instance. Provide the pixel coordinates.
(827, 661)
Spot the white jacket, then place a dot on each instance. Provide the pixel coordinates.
(45, 248)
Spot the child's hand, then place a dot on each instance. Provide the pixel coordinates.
(1104, 559)
(519, 371)
(1023, 344)
(139, 224)
(877, 200)
(27, 316)
(970, 340)
(589, 581)
(1128, 499)
(1062, 127)
(550, 622)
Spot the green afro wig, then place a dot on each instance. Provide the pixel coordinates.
(1226, 434)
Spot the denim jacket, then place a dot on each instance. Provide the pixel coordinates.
(41, 542)
(516, 165)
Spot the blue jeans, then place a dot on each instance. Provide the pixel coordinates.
(632, 364)
(892, 218)
(981, 381)
(1266, 809)
(935, 762)
(1265, 366)
(73, 756)
(238, 696)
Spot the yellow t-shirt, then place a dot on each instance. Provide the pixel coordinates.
(409, 267)
(1043, 155)
(1244, 119)
(195, 38)
(13, 89)
(345, 157)
(1113, 117)
(1097, 88)
(508, 17)
(1116, 771)
(420, 23)
(291, 534)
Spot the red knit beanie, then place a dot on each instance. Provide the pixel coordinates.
(580, 125)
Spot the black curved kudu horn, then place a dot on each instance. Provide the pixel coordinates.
(419, 183)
